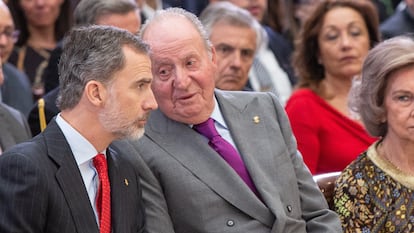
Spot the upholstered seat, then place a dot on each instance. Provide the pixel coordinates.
(326, 183)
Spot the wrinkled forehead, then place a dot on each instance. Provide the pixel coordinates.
(5, 16)
(167, 26)
(167, 32)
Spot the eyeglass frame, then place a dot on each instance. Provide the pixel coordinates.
(12, 35)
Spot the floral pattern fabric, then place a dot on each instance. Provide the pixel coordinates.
(373, 196)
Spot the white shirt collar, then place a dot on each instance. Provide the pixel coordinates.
(82, 149)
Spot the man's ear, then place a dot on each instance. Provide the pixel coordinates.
(213, 55)
(95, 92)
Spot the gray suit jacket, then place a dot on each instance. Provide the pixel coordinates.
(13, 127)
(42, 191)
(189, 188)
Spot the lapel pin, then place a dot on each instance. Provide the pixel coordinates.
(126, 182)
(256, 119)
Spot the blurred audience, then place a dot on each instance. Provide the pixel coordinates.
(275, 14)
(120, 13)
(123, 14)
(329, 53)
(41, 24)
(13, 124)
(401, 22)
(299, 10)
(15, 89)
(271, 70)
(235, 35)
(385, 8)
(13, 127)
(375, 192)
(196, 7)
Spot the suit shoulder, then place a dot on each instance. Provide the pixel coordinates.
(34, 147)
(241, 98)
(242, 94)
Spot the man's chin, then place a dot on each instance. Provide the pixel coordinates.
(131, 135)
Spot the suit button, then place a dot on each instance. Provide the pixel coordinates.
(289, 208)
(230, 223)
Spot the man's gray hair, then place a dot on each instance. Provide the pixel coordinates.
(87, 12)
(92, 53)
(166, 14)
(226, 12)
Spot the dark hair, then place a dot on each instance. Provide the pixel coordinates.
(275, 15)
(62, 25)
(305, 56)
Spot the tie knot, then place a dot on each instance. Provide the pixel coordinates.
(207, 128)
(99, 161)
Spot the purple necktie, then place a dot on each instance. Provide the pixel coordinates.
(226, 150)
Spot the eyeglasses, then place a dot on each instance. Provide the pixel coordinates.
(12, 35)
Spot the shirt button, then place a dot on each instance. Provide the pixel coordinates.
(289, 208)
(230, 223)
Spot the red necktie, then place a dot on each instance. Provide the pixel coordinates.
(103, 200)
(226, 150)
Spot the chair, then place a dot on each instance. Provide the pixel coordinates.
(326, 183)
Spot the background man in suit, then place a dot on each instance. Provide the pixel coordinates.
(235, 35)
(54, 183)
(272, 70)
(120, 13)
(13, 125)
(401, 22)
(15, 91)
(191, 188)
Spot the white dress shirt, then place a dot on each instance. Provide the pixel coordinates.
(84, 152)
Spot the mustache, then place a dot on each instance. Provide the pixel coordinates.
(144, 117)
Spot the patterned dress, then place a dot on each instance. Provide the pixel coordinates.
(372, 195)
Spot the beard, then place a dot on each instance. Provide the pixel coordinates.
(114, 120)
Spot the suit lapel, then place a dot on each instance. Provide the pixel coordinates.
(245, 119)
(69, 179)
(118, 191)
(206, 165)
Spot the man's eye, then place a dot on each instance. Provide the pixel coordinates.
(164, 73)
(403, 98)
(224, 50)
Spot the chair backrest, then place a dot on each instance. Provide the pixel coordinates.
(326, 183)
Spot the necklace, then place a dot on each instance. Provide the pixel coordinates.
(391, 162)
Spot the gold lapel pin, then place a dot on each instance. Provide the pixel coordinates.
(126, 182)
(256, 119)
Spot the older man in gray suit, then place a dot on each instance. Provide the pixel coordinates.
(190, 187)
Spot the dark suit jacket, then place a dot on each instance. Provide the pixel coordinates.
(16, 90)
(282, 50)
(42, 191)
(399, 23)
(51, 110)
(188, 187)
(13, 127)
(51, 74)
